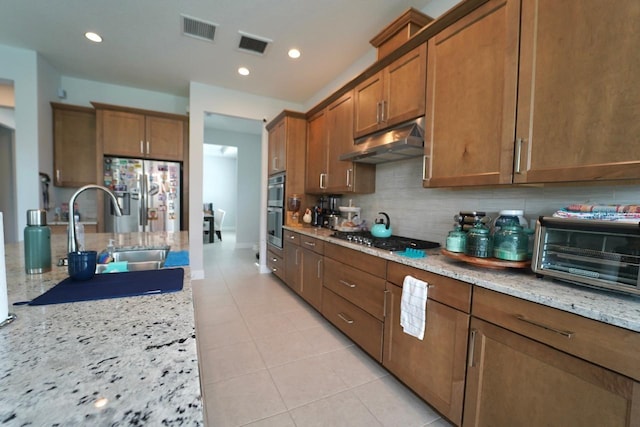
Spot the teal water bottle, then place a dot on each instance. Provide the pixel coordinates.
(37, 243)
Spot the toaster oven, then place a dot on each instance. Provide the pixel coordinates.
(601, 254)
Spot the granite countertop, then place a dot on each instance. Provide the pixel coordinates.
(608, 307)
(135, 356)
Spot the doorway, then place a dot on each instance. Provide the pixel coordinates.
(232, 167)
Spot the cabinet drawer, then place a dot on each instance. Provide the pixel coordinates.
(364, 329)
(606, 345)
(360, 288)
(275, 263)
(311, 243)
(291, 237)
(443, 289)
(369, 263)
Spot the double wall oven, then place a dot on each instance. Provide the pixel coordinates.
(275, 209)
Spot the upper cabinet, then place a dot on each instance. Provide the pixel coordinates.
(74, 145)
(330, 134)
(471, 93)
(578, 93)
(393, 95)
(133, 133)
(515, 95)
(287, 139)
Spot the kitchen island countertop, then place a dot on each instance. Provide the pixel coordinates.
(608, 307)
(106, 362)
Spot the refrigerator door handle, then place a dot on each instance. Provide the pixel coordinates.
(143, 201)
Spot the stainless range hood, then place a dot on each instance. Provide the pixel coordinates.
(401, 142)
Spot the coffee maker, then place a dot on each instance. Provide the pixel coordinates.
(326, 213)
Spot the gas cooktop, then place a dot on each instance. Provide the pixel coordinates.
(392, 243)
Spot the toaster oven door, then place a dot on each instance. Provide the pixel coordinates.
(592, 253)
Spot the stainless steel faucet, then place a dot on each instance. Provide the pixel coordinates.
(72, 241)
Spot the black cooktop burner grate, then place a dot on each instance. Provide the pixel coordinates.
(392, 243)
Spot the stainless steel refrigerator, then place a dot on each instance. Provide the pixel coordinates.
(148, 191)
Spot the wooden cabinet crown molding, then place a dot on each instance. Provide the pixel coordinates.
(282, 115)
(101, 106)
(434, 27)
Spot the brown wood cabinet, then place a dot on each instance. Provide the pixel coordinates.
(471, 98)
(287, 139)
(534, 365)
(515, 95)
(62, 228)
(134, 133)
(353, 296)
(330, 134)
(74, 145)
(434, 367)
(578, 91)
(393, 95)
(275, 261)
(304, 266)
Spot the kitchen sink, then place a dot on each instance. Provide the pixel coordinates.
(138, 258)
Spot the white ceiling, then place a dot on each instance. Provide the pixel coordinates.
(143, 46)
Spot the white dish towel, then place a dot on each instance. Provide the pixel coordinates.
(413, 306)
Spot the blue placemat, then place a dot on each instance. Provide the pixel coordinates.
(114, 285)
(177, 259)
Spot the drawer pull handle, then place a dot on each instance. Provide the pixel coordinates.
(350, 285)
(274, 259)
(292, 237)
(472, 347)
(345, 318)
(567, 334)
(312, 244)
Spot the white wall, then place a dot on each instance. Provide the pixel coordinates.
(220, 186)
(22, 66)
(204, 98)
(7, 184)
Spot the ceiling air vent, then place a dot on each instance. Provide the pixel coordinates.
(198, 28)
(253, 44)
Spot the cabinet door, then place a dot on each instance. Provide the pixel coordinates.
(74, 146)
(277, 148)
(405, 87)
(123, 133)
(316, 158)
(339, 141)
(512, 380)
(471, 98)
(293, 266)
(368, 98)
(578, 103)
(312, 268)
(433, 367)
(164, 138)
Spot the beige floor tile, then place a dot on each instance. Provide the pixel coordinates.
(305, 381)
(353, 366)
(325, 338)
(394, 405)
(265, 325)
(241, 400)
(342, 409)
(305, 318)
(214, 315)
(440, 423)
(283, 348)
(230, 361)
(280, 420)
(221, 334)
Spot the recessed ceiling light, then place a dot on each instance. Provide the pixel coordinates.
(244, 71)
(94, 37)
(294, 53)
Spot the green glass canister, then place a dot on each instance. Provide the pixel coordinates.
(37, 243)
(479, 241)
(457, 240)
(511, 243)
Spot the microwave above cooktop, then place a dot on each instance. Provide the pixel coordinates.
(601, 254)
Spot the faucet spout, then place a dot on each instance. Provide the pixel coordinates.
(72, 241)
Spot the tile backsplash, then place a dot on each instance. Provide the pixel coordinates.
(428, 213)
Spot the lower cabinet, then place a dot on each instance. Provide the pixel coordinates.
(517, 374)
(434, 367)
(353, 296)
(275, 261)
(304, 266)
